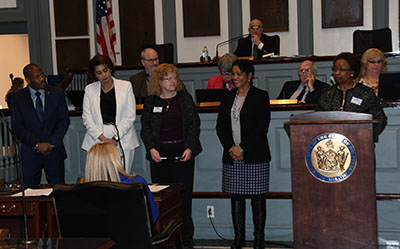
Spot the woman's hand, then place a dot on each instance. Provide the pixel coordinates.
(187, 154)
(236, 152)
(155, 155)
(105, 139)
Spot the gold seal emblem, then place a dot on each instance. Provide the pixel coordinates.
(331, 157)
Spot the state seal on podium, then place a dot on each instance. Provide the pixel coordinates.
(331, 157)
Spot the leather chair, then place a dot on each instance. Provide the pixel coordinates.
(118, 211)
(165, 52)
(276, 44)
(377, 38)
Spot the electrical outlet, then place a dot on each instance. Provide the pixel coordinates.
(210, 211)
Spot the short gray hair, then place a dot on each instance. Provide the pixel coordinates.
(225, 64)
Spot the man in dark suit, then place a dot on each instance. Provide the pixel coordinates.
(307, 89)
(41, 121)
(140, 81)
(256, 43)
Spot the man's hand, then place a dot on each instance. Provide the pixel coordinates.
(45, 148)
(310, 82)
(256, 39)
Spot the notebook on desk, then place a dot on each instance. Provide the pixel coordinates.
(210, 95)
(389, 87)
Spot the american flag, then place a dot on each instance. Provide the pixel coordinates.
(105, 30)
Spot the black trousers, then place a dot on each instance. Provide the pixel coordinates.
(177, 172)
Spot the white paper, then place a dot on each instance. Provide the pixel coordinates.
(8, 4)
(157, 188)
(34, 192)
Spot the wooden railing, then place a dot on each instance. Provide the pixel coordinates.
(283, 196)
(8, 156)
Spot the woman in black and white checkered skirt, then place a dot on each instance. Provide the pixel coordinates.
(242, 127)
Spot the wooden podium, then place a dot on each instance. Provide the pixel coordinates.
(333, 180)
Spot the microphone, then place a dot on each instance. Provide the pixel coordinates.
(227, 42)
(11, 76)
(118, 140)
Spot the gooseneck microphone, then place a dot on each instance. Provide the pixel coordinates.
(227, 42)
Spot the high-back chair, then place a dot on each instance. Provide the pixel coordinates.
(377, 38)
(118, 211)
(276, 44)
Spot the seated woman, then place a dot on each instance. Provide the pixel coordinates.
(373, 63)
(104, 163)
(349, 95)
(224, 80)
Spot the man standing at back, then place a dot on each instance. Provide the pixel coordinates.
(140, 81)
(41, 121)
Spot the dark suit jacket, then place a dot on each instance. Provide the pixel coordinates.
(139, 85)
(312, 98)
(245, 45)
(31, 131)
(254, 122)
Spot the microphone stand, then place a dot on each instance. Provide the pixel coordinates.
(225, 43)
(18, 164)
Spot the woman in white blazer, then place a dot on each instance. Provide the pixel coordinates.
(109, 110)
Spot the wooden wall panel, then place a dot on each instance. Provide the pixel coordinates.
(72, 54)
(273, 13)
(137, 28)
(71, 17)
(201, 18)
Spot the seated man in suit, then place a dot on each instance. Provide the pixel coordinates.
(256, 43)
(41, 121)
(307, 89)
(140, 81)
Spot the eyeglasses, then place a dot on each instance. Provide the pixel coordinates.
(375, 62)
(226, 73)
(170, 78)
(303, 71)
(151, 60)
(334, 69)
(255, 27)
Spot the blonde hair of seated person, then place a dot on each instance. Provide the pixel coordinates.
(103, 163)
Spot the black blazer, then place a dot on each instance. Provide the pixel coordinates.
(312, 98)
(254, 122)
(31, 131)
(151, 123)
(245, 45)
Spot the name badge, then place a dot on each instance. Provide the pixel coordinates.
(356, 101)
(157, 109)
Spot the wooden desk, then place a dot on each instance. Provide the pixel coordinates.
(169, 205)
(41, 216)
(67, 243)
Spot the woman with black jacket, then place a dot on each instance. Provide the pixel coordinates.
(242, 127)
(170, 133)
